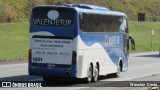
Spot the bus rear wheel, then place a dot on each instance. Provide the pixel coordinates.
(89, 74)
(96, 74)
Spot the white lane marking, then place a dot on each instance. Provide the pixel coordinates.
(130, 78)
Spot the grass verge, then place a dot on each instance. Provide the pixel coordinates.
(142, 33)
(14, 40)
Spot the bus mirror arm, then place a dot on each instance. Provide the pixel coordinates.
(132, 42)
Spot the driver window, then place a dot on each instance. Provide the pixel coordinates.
(123, 24)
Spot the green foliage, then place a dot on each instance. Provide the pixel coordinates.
(57, 2)
(6, 14)
(21, 9)
(29, 5)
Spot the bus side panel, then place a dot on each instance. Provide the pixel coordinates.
(106, 49)
(93, 54)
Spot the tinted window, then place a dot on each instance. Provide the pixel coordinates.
(100, 23)
(52, 16)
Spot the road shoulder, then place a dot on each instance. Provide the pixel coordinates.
(13, 61)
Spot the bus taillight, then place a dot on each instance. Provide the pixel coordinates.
(74, 57)
(30, 55)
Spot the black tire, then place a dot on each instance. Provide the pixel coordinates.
(89, 74)
(96, 74)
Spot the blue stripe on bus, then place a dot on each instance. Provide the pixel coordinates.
(115, 51)
(60, 71)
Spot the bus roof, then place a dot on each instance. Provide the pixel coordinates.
(87, 8)
(94, 9)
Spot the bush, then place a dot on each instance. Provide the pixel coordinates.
(57, 2)
(19, 10)
(32, 3)
(28, 7)
(6, 14)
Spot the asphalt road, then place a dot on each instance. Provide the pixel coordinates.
(142, 67)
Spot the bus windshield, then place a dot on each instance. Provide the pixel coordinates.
(53, 16)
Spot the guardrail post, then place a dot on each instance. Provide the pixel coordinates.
(159, 41)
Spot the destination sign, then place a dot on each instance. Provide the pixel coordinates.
(49, 22)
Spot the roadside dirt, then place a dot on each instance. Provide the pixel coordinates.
(13, 61)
